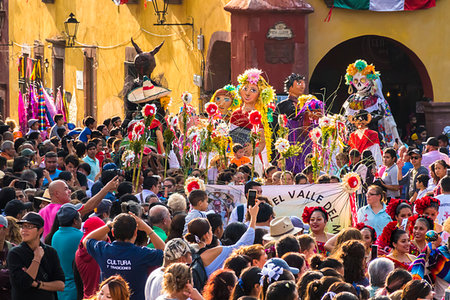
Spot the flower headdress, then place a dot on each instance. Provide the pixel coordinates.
(193, 183)
(391, 209)
(270, 271)
(361, 226)
(365, 69)
(308, 211)
(425, 202)
(312, 104)
(230, 91)
(266, 97)
(412, 222)
(384, 240)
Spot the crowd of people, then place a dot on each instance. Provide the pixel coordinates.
(74, 226)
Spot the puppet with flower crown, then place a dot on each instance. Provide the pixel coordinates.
(227, 101)
(256, 95)
(369, 97)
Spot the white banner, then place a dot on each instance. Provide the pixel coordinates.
(290, 200)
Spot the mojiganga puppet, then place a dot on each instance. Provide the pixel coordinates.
(369, 97)
(363, 138)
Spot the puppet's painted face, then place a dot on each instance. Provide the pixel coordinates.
(223, 102)
(315, 114)
(249, 93)
(297, 88)
(362, 84)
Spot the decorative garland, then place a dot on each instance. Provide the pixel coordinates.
(361, 226)
(308, 211)
(425, 202)
(392, 206)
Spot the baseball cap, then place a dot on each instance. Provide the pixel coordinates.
(432, 141)
(278, 262)
(67, 212)
(298, 223)
(3, 222)
(32, 218)
(414, 151)
(74, 132)
(110, 166)
(175, 249)
(32, 121)
(14, 207)
(103, 206)
(92, 224)
(27, 152)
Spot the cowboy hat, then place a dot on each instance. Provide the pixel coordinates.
(45, 197)
(147, 92)
(280, 227)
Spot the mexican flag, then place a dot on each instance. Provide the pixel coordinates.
(385, 5)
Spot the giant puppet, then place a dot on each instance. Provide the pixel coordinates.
(142, 90)
(369, 96)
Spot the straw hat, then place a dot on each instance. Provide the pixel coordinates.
(280, 227)
(147, 92)
(45, 197)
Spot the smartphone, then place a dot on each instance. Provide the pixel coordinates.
(23, 185)
(374, 252)
(251, 199)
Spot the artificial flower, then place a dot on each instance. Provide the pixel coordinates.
(222, 129)
(255, 117)
(325, 121)
(253, 76)
(211, 108)
(351, 182)
(360, 64)
(315, 134)
(139, 128)
(282, 120)
(186, 97)
(282, 145)
(193, 183)
(149, 110)
(308, 211)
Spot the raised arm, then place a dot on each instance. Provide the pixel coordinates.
(97, 198)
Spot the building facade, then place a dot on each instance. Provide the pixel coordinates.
(410, 49)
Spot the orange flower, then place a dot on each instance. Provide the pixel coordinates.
(370, 69)
(351, 69)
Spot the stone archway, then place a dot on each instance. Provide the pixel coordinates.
(406, 83)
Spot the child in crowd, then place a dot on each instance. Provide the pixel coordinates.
(239, 155)
(199, 205)
(422, 185)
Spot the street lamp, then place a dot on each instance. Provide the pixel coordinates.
(71, 26)
(160, 7)
(46, 64)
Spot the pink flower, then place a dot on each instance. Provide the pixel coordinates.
(253, 76)
(149, 110)
(211, 108)
(315, 134)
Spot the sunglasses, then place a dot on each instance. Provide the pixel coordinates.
(415, 157)
(27, 226)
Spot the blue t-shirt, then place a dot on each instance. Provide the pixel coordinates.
(66, 241)
(83, 135)
(126, 259)
(52, 176)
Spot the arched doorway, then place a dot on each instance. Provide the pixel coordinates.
(406, 83)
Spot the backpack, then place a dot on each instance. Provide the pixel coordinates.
(199, 276)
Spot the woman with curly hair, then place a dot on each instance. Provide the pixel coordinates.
(374, 213)
(177, 284)
(219, 285)
(394, 243)
(429, 206)
(418, 227)
(317, 218)
(114, 288)
(353, 255)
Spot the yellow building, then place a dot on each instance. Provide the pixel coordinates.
(421, 38)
